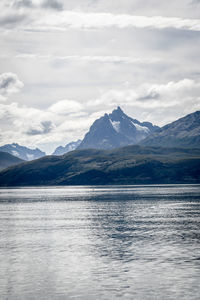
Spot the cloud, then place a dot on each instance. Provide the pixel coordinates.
(25, 125)
(182, 88)
(65, 19)
(9, 20)
(109, 59)
(53, 4)
(23, 3)
(158, 103)
(36, 126)
(195, 2)
(91, 58)
(44, 127)
(2, 98)
(65, 107)
(9, 83)
(83, 20)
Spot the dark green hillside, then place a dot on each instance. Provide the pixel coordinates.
(7, 160)
(128, 165)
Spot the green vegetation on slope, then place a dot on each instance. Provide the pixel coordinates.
(128, 165)
(7, 160)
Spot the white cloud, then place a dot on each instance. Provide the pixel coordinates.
(9, 83)
(36, 126)
(65, 107)
(183, 88)
(61, 20)
(116, 59)
(67, 120)
(2, 98)
(158, 103)
(84, 20)
(109, 59)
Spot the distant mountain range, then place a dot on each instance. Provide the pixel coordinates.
(22, 152)
(128, 165)
(184, 132)
(7, 160)
(69, 147)
(116, 130)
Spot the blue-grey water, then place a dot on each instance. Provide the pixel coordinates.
(134, 242)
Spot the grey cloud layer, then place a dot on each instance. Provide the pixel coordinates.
(79, 59)
(64, 19)
(44, 127)
(54, 4)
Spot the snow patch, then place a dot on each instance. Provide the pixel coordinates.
(15, 153)
(30, 156)
(140, 128)
(115, 125)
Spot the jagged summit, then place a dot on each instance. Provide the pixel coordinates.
(118, 110)
(116, 130)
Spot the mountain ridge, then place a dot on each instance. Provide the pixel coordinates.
(22, 152)
(68, 147)
(115, 130)
(128, 165)
(8, 160)
(184, 132)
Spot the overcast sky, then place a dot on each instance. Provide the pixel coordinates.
(64, 63)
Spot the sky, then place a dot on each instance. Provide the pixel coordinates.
(64, 63)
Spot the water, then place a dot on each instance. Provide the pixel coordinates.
(136, 242)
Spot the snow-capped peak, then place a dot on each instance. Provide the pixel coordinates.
(140, 128)
(115, 125)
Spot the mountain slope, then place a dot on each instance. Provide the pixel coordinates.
(128, 165)
(184, 132)
(116, 130)
(69, 147)
(7, 160)
(22, 152)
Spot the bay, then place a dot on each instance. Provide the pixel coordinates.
(100, 242)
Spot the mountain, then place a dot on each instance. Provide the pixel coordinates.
(7, 160)
(69, 147)
(22, 152)
(128, 165)
(116, 130)
(184, 132)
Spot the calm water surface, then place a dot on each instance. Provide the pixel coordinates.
(134, 242)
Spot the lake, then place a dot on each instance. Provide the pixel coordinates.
(115, 242)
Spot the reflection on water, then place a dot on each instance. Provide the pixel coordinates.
(135, 242)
